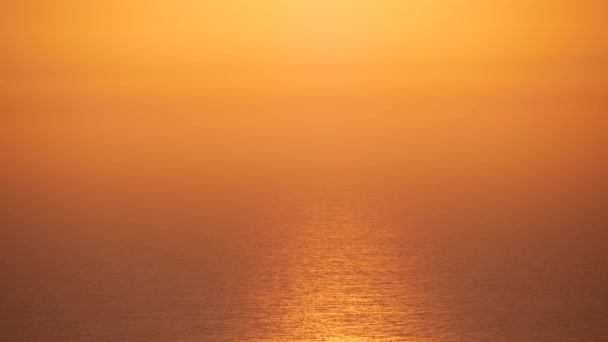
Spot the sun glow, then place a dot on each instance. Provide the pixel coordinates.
(115, 34)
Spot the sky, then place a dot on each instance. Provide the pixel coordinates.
(195, 36)
(274, 84)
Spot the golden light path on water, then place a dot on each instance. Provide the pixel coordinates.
(343, 274)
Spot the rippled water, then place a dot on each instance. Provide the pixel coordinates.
(346, 267)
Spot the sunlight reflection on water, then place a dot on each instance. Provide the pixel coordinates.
(345, 267)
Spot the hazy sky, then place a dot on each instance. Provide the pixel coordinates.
(328, 80)
(73, 35)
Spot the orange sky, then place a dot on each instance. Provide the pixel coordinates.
(329, 80)
(201, 36)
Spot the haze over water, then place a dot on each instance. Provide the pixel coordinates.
(105, 241)
(329, 266)
(303, 171)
